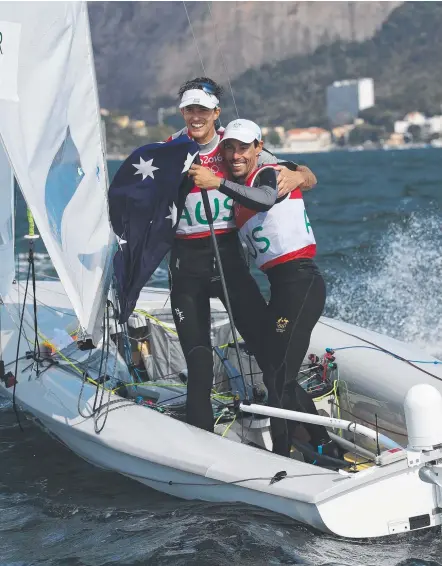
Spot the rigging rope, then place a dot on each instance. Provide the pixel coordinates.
(14, 406)
(434, 362)
(32, 236)
(194, 37)
(381, 349)
(220, 51)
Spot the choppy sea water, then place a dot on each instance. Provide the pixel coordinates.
(377, 221)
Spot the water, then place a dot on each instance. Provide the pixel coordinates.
(377, 221)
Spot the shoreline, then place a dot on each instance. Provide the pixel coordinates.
(116, 157)
(292, 151)
(352, 148)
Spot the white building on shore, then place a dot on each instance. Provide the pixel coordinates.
(345, 99)
(307, 140)
(429, 126)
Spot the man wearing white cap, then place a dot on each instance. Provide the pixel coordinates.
(279, 236)
(194, 276)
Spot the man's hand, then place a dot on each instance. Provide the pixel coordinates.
(289, 180)
(204, 178)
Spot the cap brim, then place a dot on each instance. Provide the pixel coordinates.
(242, 137)
(209, 106)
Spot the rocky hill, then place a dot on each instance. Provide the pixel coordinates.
(403, 58)
(144, 50)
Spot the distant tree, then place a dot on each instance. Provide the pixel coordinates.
(365, 132)
(378, 116)
(340, 142)
(159, 133)
(273, 138)
(433, 136)
(415, 132)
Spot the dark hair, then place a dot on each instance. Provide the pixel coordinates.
(202, 83)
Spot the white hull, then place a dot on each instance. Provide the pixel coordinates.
(181, 460)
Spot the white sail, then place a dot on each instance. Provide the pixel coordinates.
(50, 126)
(7, 269)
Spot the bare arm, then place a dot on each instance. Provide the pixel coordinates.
(310, 179)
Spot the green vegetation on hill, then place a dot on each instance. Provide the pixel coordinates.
(404, 58)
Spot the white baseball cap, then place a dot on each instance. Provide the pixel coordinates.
(198, 96)
(242, 130)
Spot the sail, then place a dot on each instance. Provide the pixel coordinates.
(7, 270)
(50, 126)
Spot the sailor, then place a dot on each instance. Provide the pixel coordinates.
(280, 238)
(194, 276)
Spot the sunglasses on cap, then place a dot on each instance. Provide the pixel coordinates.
(206, 87)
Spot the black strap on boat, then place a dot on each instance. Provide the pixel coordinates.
(378, 450)
(209, 218)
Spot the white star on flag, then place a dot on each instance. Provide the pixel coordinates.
(145, 168)
(189, 161)
(120, 241)
(173, 214)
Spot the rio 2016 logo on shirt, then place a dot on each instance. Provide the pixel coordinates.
(212, 162)
(205, 159)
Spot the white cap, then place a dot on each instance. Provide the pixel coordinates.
(242, 130)
(198, 96)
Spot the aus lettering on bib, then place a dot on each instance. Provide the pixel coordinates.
(193, 222)
(279, 235)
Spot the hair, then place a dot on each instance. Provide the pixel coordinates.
(199, 84)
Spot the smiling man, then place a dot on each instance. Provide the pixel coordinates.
(280, 238)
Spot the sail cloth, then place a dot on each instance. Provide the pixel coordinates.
(146, 199)
(50, 126)
(7, 269)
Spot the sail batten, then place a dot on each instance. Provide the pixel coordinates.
(7, 266)
(50, 124)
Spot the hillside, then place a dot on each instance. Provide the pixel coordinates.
(144, 50)
(403, 58)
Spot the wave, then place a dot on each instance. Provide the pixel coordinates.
(395, 289)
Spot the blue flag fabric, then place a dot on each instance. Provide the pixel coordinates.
(146, 199)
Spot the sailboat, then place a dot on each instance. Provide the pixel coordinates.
(66, 360)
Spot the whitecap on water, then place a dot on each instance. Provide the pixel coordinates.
(396, 290)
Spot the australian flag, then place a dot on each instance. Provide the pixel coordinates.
(146, 199)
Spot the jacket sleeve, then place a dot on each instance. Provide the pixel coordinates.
(261, 197)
